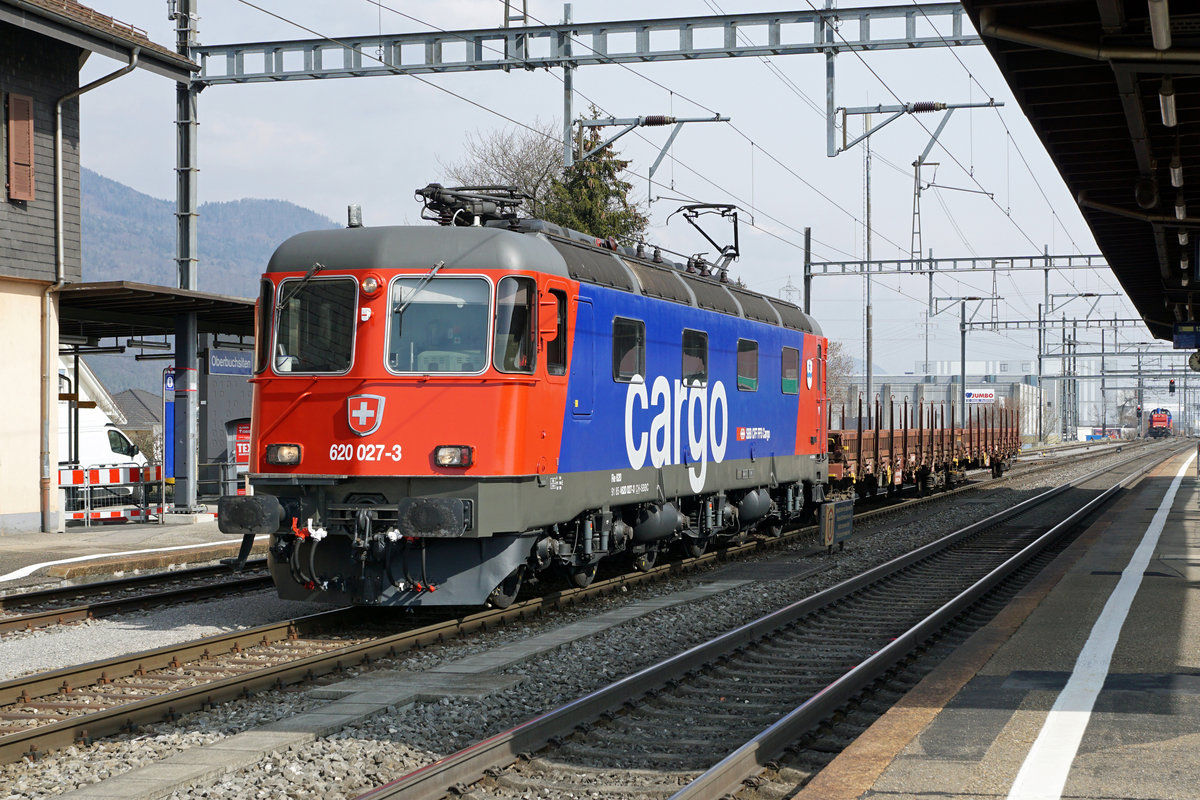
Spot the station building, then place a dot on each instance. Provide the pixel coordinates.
(43, 46)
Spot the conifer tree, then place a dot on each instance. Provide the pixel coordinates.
(593, 196)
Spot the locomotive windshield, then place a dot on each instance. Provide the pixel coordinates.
(439, 325)
(315, 332)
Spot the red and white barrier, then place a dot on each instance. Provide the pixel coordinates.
(109, 476)
(85, 497)
(125, 512)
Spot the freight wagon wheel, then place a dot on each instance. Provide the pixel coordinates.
(504, 594)
(644, 561)
(581, 577)
(695, 547)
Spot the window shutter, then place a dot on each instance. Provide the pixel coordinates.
(20, 147)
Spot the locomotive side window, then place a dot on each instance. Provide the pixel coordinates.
(315, 332)
(629, 349)
(262, 334)
(556, 348)
(747, 365)
(790, 377)
(516, 299)
(439, 325)
(695, 357)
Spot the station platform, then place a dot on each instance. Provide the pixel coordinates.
(1087, 685)
(81, 554)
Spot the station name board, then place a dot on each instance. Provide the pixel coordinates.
(230, 362)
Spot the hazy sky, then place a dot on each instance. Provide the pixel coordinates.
(324, 144)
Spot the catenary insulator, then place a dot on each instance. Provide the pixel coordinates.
(926, 106)
(657, 119)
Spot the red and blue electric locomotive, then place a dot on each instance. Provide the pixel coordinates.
(441, 411)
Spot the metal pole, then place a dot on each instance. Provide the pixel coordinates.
(187, 436)
(830, 108)
(962, 373)
(1041, 395)
(807, 270)
(75, 412)
(1103, 395)
(867, 267)
(568, 94)
(1141, 416)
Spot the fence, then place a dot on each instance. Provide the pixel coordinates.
(113, 491)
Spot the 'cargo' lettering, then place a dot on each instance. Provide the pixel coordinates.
(678, 411)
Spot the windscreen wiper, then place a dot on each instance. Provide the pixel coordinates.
(425, 279)
(308, 276)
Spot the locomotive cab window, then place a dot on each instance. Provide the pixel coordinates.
(695, 358)
(629, 350)
(315, 329)
(515, 350)
(556, 348)
(747, 365)
(439, 325)
(262, 334)
(790, 375)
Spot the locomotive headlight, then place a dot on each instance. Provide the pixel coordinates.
(370, 284)
(283, 454)
(454, 455)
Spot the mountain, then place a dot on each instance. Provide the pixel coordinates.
(130, 236)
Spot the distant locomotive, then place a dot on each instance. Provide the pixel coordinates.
(440, 411)
(1160, 423)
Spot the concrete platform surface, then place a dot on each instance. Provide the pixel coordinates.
(100, 551)
(1086, 686)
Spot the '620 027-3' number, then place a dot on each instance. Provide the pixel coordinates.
(364, 452)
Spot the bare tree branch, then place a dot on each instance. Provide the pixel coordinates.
(518, 157)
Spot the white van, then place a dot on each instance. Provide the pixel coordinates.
(101, 443)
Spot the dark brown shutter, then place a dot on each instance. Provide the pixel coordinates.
(20, 147)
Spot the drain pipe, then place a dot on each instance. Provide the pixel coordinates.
(49, 359)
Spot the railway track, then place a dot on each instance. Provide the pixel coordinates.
(77, 704)
(61, 605)
(667, 730)
(48, 607)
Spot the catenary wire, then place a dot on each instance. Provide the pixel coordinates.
(500, 114)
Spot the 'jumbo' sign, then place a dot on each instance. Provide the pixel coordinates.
(981, 396)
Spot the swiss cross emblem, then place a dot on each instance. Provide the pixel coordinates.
(364, 412)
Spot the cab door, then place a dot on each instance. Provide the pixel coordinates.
(583, 366)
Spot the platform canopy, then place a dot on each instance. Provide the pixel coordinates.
(1115, 98)
(95, 311)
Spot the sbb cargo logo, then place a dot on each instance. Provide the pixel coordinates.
(699, 413)
(751, 434)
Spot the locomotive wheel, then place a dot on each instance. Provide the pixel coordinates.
(644, 561)
(504, 594)
(694, 548)
(770, 528)
(581, 577)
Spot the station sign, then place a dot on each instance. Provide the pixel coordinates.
(1187, 336)
(230, 362)
(981, 396)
